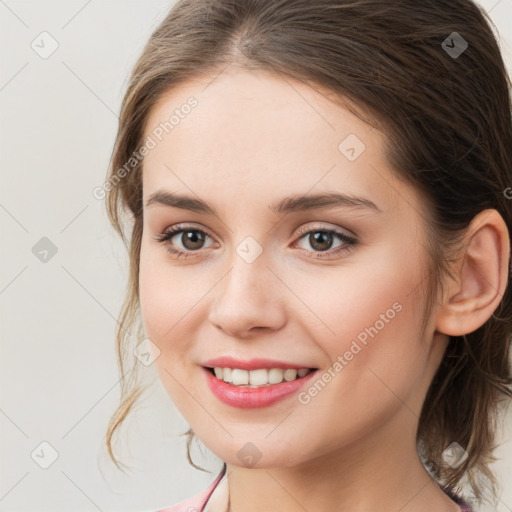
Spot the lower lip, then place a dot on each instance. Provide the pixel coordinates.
(252, 398)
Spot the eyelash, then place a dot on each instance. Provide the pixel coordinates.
(350, 242)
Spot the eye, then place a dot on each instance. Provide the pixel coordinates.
(191, 239)
(320, 239)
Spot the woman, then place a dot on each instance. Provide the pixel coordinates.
(320, 249)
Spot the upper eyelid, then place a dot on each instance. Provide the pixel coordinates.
(349, 242)
(302, 231)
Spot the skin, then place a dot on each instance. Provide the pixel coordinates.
(253, 139)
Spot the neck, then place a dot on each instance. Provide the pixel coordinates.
(378, 471)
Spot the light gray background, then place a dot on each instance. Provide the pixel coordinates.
(59, 380)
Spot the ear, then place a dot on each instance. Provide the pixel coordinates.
(480, 279)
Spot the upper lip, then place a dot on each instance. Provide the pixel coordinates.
(250, 364)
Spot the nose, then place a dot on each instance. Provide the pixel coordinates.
(249, 299)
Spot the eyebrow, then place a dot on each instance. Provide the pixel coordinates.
(297, 203)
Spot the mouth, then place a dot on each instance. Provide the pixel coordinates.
(263, 377)
(253, 389)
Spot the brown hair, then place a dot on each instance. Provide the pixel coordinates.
(448, 124)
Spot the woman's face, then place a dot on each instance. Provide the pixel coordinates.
(258, 281)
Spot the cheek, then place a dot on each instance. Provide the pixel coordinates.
(377, 356)
(162, 298)
(170, 301)
(370, 299)
(166, 303)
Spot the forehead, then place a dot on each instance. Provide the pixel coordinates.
(260, 133)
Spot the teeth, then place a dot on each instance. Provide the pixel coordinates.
(257, 378)
(239, 377)
(275, 376)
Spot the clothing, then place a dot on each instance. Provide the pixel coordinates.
(198, 502)
(464, 507)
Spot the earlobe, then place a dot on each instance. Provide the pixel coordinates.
(481, 277)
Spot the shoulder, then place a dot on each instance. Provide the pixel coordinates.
(197, 502)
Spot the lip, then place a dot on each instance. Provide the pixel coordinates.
(253, 398)
(251, 364)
